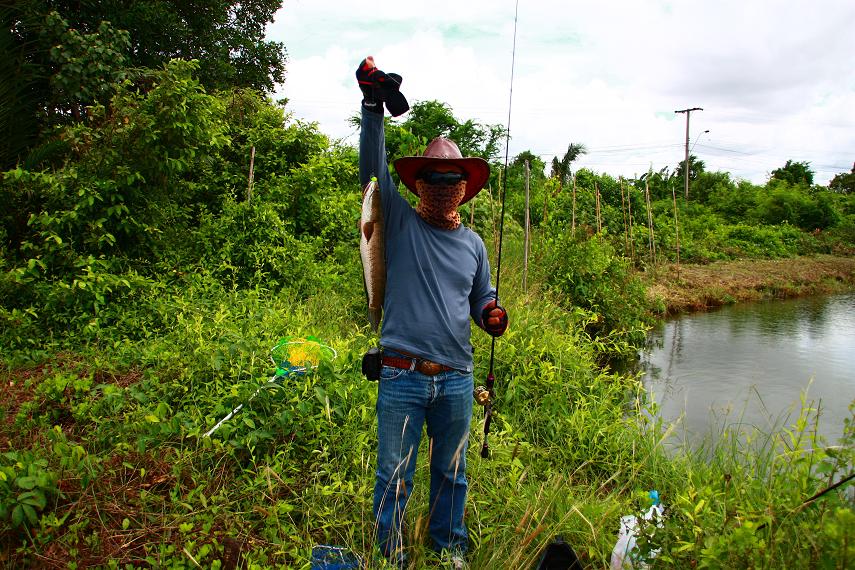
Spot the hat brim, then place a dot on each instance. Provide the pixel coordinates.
(477, 172)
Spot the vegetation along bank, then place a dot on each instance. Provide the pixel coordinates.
(691, 287)
(166, 223)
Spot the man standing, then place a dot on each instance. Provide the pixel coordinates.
(437, 277)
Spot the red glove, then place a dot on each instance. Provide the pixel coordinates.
(494, 319)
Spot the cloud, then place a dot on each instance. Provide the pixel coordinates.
(775, 81)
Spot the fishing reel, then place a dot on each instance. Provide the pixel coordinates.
(482, 395)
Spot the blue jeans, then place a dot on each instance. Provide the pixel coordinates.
(406, 400)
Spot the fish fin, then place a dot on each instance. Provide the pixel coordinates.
(368, 230)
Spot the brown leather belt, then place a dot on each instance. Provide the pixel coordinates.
(426, 367)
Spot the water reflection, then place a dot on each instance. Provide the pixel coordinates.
(750, 364)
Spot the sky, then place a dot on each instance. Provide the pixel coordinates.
(775, 78)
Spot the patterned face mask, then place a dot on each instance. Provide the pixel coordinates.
(438, 203)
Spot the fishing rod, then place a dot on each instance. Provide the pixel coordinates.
(817, 495)
(484, 395)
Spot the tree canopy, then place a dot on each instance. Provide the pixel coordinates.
(797, 173)
(561, 168)
(843, 183)
(226, 37)
(430, 119)
(61, 55)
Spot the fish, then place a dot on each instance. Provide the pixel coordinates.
(372, 251)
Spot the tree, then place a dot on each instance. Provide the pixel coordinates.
(87, 67)
(515, 186)
(783, 202)
(561, 168)
(561, 171)
(696, 167)
(430, 119)
(795, 173)
(226, 37)
(709, 184)
(60, 56)
(22, 84)
(843, 183)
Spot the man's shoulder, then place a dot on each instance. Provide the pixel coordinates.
(474, 241)
(472, 235)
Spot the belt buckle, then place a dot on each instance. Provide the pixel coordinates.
(429, 368)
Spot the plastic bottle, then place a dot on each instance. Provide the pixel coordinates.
(625, 554)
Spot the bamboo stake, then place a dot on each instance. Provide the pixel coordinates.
(573, 227)
(545, 202)
(472, 212)
(623, 210)
(629, 214)
(251, 173)
(527, 229)
(493, 215)
(650, 237)
(676, 228)
(599, 221)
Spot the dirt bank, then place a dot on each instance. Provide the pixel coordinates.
(699, 287)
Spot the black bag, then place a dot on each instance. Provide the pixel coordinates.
(559, 556)
(372, 362)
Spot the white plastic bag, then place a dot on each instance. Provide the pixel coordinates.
(625, 554)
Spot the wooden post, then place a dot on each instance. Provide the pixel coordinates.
(545, 202)
(597, 207)
(573, 226)
(527, 229)
(629, 215)
(493, 212)
(650, 237)
(251, 171)
(472, 212)
(623, 210)
(676, 228)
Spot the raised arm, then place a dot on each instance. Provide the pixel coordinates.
(378, 88)
(372, 150)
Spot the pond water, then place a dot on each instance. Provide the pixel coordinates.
(750, 365)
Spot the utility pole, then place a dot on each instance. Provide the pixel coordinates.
(686, 168)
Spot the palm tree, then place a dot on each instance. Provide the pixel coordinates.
(561, 169)
(25, 89)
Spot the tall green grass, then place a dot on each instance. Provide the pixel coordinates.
(109, 431)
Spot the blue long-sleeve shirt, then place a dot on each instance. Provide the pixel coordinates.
(435, 278)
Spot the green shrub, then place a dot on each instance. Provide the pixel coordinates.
(26, 488)
(588, 273)
(791, 204)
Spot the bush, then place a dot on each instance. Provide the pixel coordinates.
(26, 485)
(588, 273)
(787, 204)
(249, 244)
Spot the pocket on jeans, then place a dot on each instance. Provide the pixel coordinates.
(391, 373)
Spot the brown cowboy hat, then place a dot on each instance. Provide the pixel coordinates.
(444, 151)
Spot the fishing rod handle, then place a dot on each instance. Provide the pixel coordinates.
(488, 416)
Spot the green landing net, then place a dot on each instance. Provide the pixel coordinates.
(292, 357)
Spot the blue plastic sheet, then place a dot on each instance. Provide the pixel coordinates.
(326, 557)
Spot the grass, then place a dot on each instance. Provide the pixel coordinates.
(110, 431)
(697, 287)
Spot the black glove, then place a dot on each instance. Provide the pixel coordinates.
(378, 88)
(494, 319)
